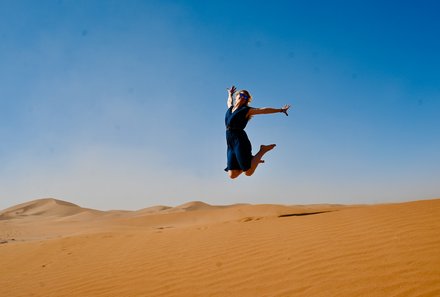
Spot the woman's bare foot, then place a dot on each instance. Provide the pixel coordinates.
(257, 159)
(266, 148)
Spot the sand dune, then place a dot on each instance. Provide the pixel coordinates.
(55, 248)
(41, 207)
(151, 210)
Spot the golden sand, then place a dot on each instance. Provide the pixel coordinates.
(50, 247)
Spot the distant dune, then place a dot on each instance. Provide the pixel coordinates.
(50, 247)
(41, 207)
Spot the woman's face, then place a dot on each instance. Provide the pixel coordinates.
(240, 98)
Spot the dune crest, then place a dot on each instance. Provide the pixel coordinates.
(152, 210)
(41, 207)
(192, 205)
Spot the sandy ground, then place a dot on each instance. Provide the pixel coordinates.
(50, 247)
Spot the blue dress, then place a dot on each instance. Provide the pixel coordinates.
(239, 147)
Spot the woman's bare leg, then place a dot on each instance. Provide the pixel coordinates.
(256, 160)
(234, 173)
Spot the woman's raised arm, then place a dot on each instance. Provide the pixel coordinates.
(231, 92)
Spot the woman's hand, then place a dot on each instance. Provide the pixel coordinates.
(231, 91)
(285, 109)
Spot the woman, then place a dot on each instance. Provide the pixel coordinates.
(239, 152)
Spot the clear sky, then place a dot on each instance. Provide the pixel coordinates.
(120, 104)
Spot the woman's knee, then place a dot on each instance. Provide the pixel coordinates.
(249, 172)
(234, 173)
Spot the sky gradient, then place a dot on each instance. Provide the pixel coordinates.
(120, 104)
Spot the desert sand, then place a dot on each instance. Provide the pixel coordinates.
(50, 247)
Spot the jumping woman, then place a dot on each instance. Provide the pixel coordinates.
(239, 152)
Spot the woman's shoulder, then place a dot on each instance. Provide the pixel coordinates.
(240, 109)
(249, 108)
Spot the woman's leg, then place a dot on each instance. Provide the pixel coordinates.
(256, 160)
(234, 173)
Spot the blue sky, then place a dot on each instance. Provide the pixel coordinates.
(120, 104)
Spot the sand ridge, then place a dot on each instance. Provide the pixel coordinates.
(240, 250)
(41, 207)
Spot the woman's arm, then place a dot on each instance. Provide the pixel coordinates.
(268, 110)
(231, 92)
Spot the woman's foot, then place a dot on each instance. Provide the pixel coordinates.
(266, 148)
(257, 159)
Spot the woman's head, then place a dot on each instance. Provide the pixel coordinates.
(242, 97)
